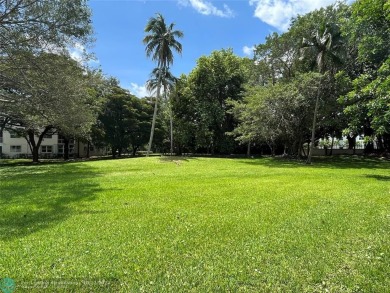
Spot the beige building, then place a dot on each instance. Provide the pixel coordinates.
(52, 146)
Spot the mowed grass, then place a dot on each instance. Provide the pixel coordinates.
(196, 225)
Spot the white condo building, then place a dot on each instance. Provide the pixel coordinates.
(14, 146)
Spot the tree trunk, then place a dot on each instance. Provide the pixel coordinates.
(66, 148)
(331, 145)
(386, 142)
(299, 147)
(34, 146)
(248, 150)
(308, 148)
(88, 146)
(35, 154)
(153, 121)
(313, 130)
(379, 143)
(271, 146)
(351, 141)
(171, 126)
(135, 151)
(326, 149)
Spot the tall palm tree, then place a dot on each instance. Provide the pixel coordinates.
(160, 41)
(324, 47)
(165, 79)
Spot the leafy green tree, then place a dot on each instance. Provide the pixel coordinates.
(42, 24)
(215, 80)
(50, 93)
(277, 115)
(160, 41)
(38, 26)
(183, 103)
(367, 103)
(139, 134)
(124, 122)
(276, 59)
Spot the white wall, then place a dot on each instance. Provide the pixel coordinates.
(22, 142)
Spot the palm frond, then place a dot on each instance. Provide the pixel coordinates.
(161, 40)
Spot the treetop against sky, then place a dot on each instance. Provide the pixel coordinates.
(207, 26)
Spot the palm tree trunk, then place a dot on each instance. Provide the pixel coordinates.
(154, 120)
(313, 130)
(171, 125)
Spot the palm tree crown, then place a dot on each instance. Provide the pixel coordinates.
(325, 46)
(160, 41)
(161, 77)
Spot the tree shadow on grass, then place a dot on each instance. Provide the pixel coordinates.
(33, 198)
(378, 177)
(339, 162)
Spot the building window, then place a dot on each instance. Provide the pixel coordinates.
(46, 149)
(16, 148)
(60, 148)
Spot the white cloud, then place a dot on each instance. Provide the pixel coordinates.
(278, 13)
(248, 50)
(139, 90)
(77, 53)
(207, 8)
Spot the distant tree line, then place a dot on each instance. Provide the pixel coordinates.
(328, 76)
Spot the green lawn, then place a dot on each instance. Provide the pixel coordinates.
(196, 225)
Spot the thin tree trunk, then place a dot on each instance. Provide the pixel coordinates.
(248, 150)
(308, 148)
(171, 125)
(135, 148)
(313, 130)
(88, 146)
(66, 149)
(299, 147)
(170, 119)
(331, 145)
(153, 121)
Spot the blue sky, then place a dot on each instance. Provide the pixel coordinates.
(207, 26)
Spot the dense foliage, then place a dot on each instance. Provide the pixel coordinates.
(41, 87)
(123, 123)
(326, 77)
